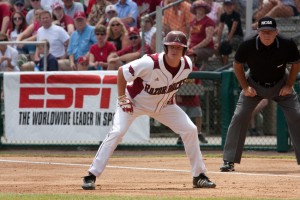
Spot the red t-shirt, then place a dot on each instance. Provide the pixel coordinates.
(65, 21)
(198, 31)
(4, 12)
(101, 53)
(129, 49)
(90, 5)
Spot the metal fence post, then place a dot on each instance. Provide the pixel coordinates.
(282, 132)
(227, 108)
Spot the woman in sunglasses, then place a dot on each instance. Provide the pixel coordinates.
(117, 33)
(18, 26)
(100, 51)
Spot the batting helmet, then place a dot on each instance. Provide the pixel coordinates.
(175, 38)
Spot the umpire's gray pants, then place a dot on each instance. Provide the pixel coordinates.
(238, 127)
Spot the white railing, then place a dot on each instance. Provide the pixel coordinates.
(30, 42)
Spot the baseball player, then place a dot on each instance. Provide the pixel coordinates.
(267, 55)
(147, 86)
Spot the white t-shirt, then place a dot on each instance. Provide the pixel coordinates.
(148, 35)
(13, 54)
(56, 36)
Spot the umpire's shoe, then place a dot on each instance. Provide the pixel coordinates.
(227, 167)
(202, 181)
(89, 182)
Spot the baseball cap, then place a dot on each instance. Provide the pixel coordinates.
(228, 2)
(19, 2)
(82, 60)
(133, 31)
(266, 23)
(110, 8)
(79, 14)
(56, 5)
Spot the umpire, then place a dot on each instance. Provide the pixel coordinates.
(267, 55)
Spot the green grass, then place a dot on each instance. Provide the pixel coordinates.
(95, 197)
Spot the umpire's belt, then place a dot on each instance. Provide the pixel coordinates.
(266, 84)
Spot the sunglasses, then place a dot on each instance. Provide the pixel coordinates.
(35, 0)
(102, 34)
(17, 18)
(133, 37)
(2, 40)
(111, 12)
(19, 5)
(115, 25)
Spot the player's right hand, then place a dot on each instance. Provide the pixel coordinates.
(249, 92)
(125, 104)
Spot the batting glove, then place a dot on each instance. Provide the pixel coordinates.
(125, 104)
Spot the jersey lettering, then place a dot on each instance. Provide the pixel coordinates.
(163, 90)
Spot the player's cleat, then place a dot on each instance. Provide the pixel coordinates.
(89, 182)
(227, 167)
(202, 181)
(202, 138)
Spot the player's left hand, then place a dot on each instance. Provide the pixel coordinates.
(126, 104)
(286, 90)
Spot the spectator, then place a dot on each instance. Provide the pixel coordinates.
(276, 8)
(93, 2)
(178, 17)
(52, 63)
(81, 39)
(100, 51)
(130, 53)
(146, 7)
(8, 55)
(97, 12)
(56, 35)
(202, 28)
(128, 12)
(29, 34)
(149, 30)
(58, 38)
(190, 104)
(19, 5)
(235, 35)
(71, 7)
(117, 33)
(260, 106)
(62, 20)
(35, 4)
(4, 16)
(110, 12)
(215, 14)
(18, 26)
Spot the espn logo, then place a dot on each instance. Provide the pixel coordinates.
(64, 91)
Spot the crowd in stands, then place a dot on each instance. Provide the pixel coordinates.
(104, 34)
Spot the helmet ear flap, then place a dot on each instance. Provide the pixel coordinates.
(184, 51)
(166, 49)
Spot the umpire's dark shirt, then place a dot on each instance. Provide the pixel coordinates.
(267, 63)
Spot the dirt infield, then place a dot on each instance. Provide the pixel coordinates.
(161, 174)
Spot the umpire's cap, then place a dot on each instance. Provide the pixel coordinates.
(267, 23)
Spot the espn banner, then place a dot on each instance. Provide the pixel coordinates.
(64, 107)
